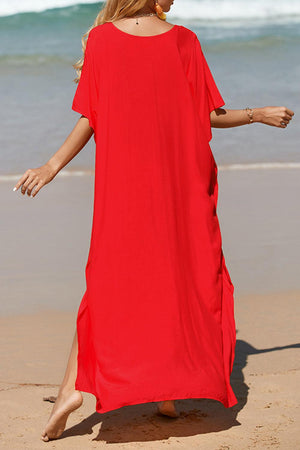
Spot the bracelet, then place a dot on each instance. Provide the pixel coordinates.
(250, 114)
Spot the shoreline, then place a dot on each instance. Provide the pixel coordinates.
(83, 171)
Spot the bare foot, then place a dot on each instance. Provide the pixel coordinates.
(65, 403)
(167, 408)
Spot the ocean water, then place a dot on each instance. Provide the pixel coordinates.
(252, 49)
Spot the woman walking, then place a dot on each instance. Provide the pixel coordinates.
(156, 322)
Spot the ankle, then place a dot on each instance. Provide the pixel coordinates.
(66, 390)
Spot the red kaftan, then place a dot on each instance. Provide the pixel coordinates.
(157, 319)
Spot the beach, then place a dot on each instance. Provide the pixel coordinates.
(253, 56)
(44, 251)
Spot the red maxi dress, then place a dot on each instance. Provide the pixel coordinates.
(156, 321)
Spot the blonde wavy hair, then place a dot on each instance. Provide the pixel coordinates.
(112, 10)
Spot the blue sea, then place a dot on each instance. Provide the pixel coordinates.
(253, 50)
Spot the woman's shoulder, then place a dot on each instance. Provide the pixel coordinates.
(98, 35)
(187, 39)
(187, 43)
(187, 31)
(98, 30)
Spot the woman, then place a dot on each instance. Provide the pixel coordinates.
(156, 322)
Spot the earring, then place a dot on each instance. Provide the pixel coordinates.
(159, 11)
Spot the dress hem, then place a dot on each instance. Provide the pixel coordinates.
(187, 396)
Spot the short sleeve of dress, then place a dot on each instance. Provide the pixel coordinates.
(85, 98)
(215, 100)
(206, 94)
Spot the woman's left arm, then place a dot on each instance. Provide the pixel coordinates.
(276, 116)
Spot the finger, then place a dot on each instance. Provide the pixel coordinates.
(290, 112)
(282, 123)
(37, 188)
(25, 184)
(31, 186)
(21, 181)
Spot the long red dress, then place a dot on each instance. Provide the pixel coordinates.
(156, 321)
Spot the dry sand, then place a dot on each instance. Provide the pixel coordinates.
(34, 349)
(42, 279)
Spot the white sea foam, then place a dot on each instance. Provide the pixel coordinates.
(229, 10)
(8, 7)
(261, 166)
(249, 166)
(185, 9)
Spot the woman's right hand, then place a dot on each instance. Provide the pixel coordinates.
(35, 178)
(276, 116)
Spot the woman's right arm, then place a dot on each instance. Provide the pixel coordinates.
(276, 116)
(40, 176)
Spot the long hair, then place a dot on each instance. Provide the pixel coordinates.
(112, 10)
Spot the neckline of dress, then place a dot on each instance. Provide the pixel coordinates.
(136, 36)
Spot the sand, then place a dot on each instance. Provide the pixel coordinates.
(44, 251)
